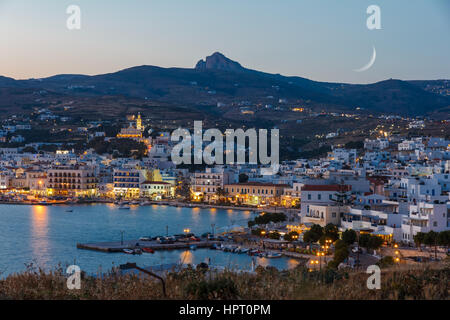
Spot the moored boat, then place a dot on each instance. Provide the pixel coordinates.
(128, 251)
(148, 250)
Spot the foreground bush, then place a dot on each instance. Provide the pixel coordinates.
(421, 282)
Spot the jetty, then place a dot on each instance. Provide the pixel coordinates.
(118, 246)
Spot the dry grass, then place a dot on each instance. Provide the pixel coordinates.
(421, 282)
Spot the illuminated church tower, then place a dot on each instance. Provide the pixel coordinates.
(139, 123)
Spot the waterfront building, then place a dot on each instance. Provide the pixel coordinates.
(206, 184)
(255, 193)
(127, 182)
(156, 190)
(72, 181)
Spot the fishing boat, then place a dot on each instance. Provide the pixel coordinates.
(148, 250)
(254, 252)
(128, 251)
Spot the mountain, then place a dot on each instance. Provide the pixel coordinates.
(218, 61)
(220, 79)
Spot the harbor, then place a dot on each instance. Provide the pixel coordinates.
(90, 236)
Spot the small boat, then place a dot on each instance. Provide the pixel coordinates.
(137, 251)
(135, 202)
(124, 208)
(148, 250)
(214, 247)
(245, 250)
(193, 247)
(128, 251)
(69, 210)
(273, 255)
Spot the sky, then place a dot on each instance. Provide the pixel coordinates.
(323, 40)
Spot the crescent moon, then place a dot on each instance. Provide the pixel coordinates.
(370, 64)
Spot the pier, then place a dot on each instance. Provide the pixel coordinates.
(118, 246)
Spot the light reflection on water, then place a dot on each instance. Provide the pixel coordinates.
(39, 234)
(47, 235)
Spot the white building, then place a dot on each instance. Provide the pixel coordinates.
(425, 217)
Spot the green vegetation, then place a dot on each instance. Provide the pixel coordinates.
(355, 145)
(340, 254)
(243, 178)
(274, 235)
(118, 147)
(291, 236)
(369, 241)
(349, 236)
(267, 218)
(318, 233)
(427, 281)
(385, 262)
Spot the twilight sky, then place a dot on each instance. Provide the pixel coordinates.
(322, 40)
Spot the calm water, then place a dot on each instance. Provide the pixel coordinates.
(47, 235)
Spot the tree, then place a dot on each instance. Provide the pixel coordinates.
(375, 242)
(274, 235)
(269, 217)
(243, 178)
(314, 234)
(340, 254)
(364, 240)
(184, 190)
(29, 150)
(444, 238)
(419, 238)
(370, 242)
(349, 236)
(331, 232)
(291, 236)
(341, 196)
(431, 239)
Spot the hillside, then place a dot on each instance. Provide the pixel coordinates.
(219, 79)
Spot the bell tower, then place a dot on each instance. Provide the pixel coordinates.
(139, 122)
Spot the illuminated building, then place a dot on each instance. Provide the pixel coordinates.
(127, 182)
(78, 181)
(156, 189)
(255, 193)
(132, 132)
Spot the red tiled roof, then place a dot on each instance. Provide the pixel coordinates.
(326, 187)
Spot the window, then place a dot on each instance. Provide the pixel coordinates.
(319, 196)
(309, 196)
(333, 214)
